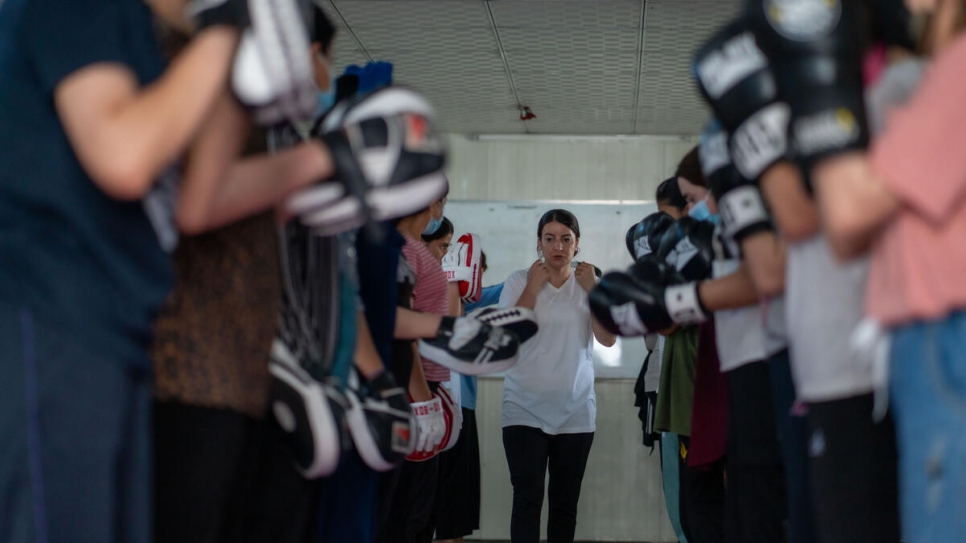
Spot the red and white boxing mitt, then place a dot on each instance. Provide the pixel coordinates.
(463, 264)
(430, 429)
(453, 416)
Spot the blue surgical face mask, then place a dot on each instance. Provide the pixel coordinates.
(433, 226)
(700, 212)
(326, 98)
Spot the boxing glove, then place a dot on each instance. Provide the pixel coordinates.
(649, 297)
(642, 238)
(734, 78)
(462, 264)
(686, 246)
(815, 49)
(740, 204)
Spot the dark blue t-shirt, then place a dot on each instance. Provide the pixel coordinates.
(77, 258)
(378, 264)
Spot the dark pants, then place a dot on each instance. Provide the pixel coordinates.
(75, 437)
(458, 491)
(793, 438)
(348, 503)
(530, 453)
(223, 477)
(702, 498)
(755, 510)
(411, 507)
(854, 472)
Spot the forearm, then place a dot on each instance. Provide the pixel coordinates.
(213, 198)
(415, 325)
(603, 337)
(453, 301)
(854, 203)
(367, 359)
(418, 387)
(527, 299)
(793, 209)
(729, 292)
(764, 258)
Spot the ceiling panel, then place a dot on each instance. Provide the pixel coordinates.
(582, 66)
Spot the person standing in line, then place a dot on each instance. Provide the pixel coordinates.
(549, 406)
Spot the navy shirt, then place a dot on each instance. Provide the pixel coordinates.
(85, 262)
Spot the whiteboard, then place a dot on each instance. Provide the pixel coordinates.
(508, 232)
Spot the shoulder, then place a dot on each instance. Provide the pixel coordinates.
(516, 277)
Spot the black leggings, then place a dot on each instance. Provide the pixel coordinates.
(529, 454)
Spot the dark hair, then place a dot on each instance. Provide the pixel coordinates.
(445, 229)
(483, 261)
(669, 191)
(562, 216)
(690, 168)
(322, 31)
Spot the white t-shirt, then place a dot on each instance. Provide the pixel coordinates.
(824, 304)
(551, 387)
(738, 332)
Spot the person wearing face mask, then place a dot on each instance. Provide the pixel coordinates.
(549, 407)
(439, 241)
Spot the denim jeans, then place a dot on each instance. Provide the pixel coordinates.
(928, 390)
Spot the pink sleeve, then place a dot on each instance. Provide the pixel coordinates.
(922, 155)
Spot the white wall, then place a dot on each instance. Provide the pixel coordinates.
(621, 498)
(557, 168)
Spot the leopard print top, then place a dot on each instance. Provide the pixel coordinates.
(213, 337)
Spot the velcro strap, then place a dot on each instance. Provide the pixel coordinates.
(761, 140)
(683, 304)
(827, 130)
(741, 209)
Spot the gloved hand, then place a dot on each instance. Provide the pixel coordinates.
(734, 78)
(642, 238)
(815, 49)
(743, 211)
(430, 429)
(686, 245)
(649, 297)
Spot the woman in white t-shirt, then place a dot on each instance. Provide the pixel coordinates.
(549, 405)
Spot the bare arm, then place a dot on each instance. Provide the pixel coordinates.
(418, 387)
(730, 291)
(415, 325)
(603, 337)
(792, 207)
(219, 189)
(537, 277)
(764, 259)
(124, 135)
(367, 359)
(453, 301)
(854, 203)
